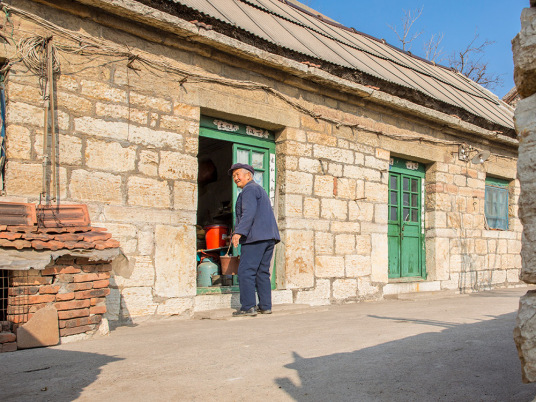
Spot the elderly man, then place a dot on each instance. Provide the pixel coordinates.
(256, 231)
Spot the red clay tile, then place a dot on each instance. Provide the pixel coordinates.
(21, 229)
(71, 237)
(3, 227)
(20, 244)
(38, 244)
(50, 216)
(96, 236)
(34, 236)
(10, 235)
(17, 213)
(85, 245)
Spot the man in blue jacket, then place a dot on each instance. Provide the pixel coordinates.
(256, 231)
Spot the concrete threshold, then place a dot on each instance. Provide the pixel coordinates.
(277, 310)
(427, 295)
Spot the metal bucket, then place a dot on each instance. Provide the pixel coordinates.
(229, 264)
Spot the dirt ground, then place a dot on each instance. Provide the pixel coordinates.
(446, 349)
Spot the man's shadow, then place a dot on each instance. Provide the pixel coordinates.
(463, 362)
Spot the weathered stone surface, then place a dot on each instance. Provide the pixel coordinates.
(524, 49)
(175, 264)
(299, 260)
(344, 288)
(176, 165)
(329, 266)
(40, 330)
(147, 192)
(525, 336)
(109, 156)
(176, 306)
(96, 186)
(137, 302)
(19, 143)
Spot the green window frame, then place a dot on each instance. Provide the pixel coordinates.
(496, 203)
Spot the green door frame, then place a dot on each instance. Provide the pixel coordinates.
(243, 137)
(406, 240)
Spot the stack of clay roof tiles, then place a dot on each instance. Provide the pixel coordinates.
(27, 226)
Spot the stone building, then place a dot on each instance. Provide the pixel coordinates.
(388, 174)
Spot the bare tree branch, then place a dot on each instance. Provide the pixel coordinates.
(469, 62)
(407, 23)
(431, 48)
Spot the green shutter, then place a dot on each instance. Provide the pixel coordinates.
(496, 203)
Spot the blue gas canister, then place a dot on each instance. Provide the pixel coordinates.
(205, 271)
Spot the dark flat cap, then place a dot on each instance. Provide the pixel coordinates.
(241, 166)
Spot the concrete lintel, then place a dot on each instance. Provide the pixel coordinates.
(13, 259)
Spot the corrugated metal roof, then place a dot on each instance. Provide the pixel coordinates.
(290, 28)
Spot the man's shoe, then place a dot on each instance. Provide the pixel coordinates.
(261, 311)
(245, 313)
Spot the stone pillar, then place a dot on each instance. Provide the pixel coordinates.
(524, 49)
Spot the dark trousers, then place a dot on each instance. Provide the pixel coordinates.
(254, 273)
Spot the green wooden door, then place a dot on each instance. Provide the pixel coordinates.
(405, 227)
(263, 161)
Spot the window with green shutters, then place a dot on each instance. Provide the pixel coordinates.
(496, 206)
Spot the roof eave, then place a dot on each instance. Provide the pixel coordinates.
(155, 18)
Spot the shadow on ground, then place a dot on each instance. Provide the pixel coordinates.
(50, 375)
(462, 362)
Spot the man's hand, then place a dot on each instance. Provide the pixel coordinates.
(235, 239)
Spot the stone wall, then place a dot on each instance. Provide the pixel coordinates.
(525, 119)
(128, 141)
(74, 288)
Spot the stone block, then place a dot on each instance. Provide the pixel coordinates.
(513, 275)
(102, 91)
(311, 207)
(345, 244)
(145, 242)
(185, 195)
(310, 165)
(110, 156)
(357, 265)
(343, 156)
(365, 289)
(299, 262)
(335, 169)
(379, 257)
(137, 302)
(141, 215)
(150, 102)
(345, 227)
(329, 266)
(147, 192)
(499, 277)
(121, 112)
(318, 296)
(334, 209)
(40, 330)
(375, 192)
(360, 211)
(148, 162)
(140, 273)
(347, 188)
(324, 186)
(186, 111)
(175, 264)
(176, 165)
(74, 104)
(344, 289)
(359, 172)
(176, 306)
(23, 179)
(322, 139)
(298, 182)
(70, 150)
(95, 186)
(293, 134)
(292, 205)
(24, 115)
(18, 143)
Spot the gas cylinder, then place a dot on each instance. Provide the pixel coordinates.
(205, 271)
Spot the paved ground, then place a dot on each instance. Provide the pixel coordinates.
(450, 349)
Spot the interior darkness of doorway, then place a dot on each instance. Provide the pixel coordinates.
(215, 185)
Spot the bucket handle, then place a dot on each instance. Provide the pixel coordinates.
(230, 244)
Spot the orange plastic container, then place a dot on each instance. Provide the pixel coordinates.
(215, 236)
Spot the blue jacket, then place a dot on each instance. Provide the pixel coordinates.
(255, 220)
